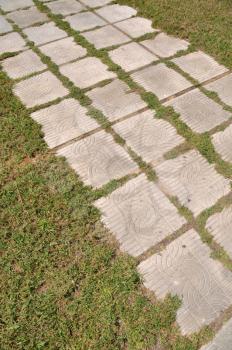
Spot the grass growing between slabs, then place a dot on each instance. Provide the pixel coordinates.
(64, 285)
(206, 24)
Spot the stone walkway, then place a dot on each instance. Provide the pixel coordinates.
(146, 216)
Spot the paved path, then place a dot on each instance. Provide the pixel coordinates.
(143, 215)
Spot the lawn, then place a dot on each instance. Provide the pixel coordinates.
(64, 283)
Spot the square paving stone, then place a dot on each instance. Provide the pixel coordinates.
(198, 111)
(124, 101)
(161, 80)
(131, 56)
(87, 72)
(95, 3)
(106, 37)
(98, 159)
(222, 340)
(115, 13)
(5, 26)
(200, 66)
(139, 215)
(64, 121)
(164, 45)
(63, 51)
(223, 87)
(136, 27)
(185, 268)
(45, 33)
(222, 142)
(11, 42)
(65, 7)
(23, 64)
(29, 17)
(149, 137)
(85, 21)
(12, 5)
(220, 227)
(193, 181)
(39, 89)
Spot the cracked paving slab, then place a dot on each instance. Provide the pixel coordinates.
(185, 268)
(139, 215)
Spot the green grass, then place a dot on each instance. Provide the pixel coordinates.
(64, 283)
(207, 24)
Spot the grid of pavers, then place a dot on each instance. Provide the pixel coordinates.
(142, 214)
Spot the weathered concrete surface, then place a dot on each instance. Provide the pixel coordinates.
(222, 142)
(86, 155)
(139, 215)
(106, 37)
(124, 100)
(185, 268)
(223, 87)
(63, 51)
(28, 17)
(11, 42)
(85, 21)
(193, 181)
(40, 89)
(136, 26)
(115, 13)
(44, 33)
(86, 72)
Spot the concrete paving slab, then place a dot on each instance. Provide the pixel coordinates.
(23, 64)
(96, 3)
(5, 26)
(87, 72)
(222, 340)
(131, 56)
(106, 37)
(165, 45)
(136, 26)
(220, 227)
(139, 215)
(29, 17)
(65, 7)
(200, 66)
(193, 181)
(198, 111)
(161, 80)
(63, 51)
(39, 89)
(64, 121)
(85, 21)
(222, 142)
(124, 101)
(185, 268)
(98, 159)
(44, 33)
(115, 13)
(11, 42)
(223, 87)
(12, 5)
(149, 137)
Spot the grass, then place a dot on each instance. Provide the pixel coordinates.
(64, 283)
(206, 24)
